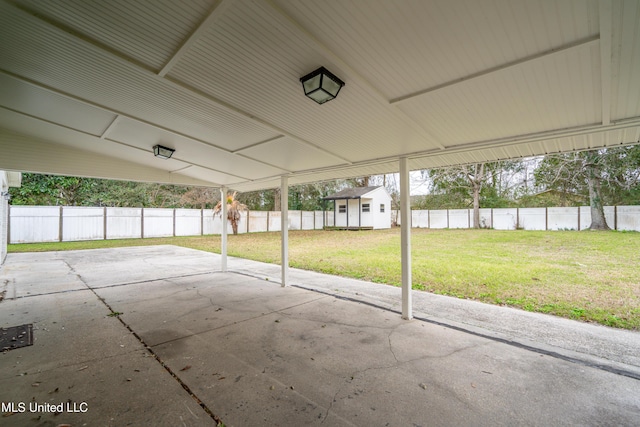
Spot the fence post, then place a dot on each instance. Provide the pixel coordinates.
(267, 221)
(615, 218)
(491, 218)
(447, 218)
(517, 218)
(546, 219)
(104, 222)
(202, 222)
(142, 223)
(428, 219)
(469, 218)
(174, 222)
(60, 220)
(578, 218)
(8, 223)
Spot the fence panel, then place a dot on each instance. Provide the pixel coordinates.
(308, 220)
(439, 218)
(459, 218)
(319, 223)
(532, 218)
(82, 223)
(295, 222)
(562, 218)
(31, 224)
(258, 221)
(274, 221)
(158, 222)
(188, 222)
(628, 218)
(420, 219)
(207, 221)
(124, 223)
(486, 218)
(609, 217)
(505, 218)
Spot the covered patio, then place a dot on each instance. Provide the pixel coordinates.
(209, 93)
(159, 336)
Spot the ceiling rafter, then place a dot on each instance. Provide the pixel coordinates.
(242, 113)
(187, 89)
(353, 73)
(119, 116)
(497, 143)
(110, 127)
(214, 15)
(577, 44)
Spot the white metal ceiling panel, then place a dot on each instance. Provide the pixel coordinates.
(147, 31)
(408, 46)
(81, 70)
(554, 92)
(440, 82)
(254, 58)
(626, 59)
(289, 155)
(29, 154)
(143, 136)
(47, 105)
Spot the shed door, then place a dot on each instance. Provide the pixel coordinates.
(354, 213)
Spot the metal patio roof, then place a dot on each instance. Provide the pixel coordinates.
(88, 87)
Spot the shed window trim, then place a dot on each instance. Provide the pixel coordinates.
(342, 208)
(366, 207)
(381, 207)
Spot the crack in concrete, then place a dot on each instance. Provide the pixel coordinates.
(200, 403)
(391, 346)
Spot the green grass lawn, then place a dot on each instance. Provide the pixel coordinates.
(589, 276)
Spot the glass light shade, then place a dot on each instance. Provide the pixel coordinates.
(163, 152)
(321, 86)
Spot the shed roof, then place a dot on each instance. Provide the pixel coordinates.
(352, 193)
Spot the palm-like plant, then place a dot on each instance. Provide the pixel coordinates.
(234, 208)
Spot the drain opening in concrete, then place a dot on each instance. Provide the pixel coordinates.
(15, 337)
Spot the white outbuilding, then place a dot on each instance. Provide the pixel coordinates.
(361, 208)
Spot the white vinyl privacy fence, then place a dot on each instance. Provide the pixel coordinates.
(31, 224)
(624, 218)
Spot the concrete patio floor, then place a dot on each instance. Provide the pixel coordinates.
(157, 336)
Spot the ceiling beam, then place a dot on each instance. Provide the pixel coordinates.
(633, 122)
(29, 154)
(577, 44)
(606, 21)
(116, 56)
(328, 53)
(118, 118)
(213, 16)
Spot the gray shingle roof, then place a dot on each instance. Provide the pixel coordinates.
(350, 193)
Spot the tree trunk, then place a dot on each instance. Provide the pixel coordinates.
(276, 200)
(476, 205)
(476, 184)
(598, 221)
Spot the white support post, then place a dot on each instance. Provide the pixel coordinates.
(405, 238)
(223, 233)
(284, 228)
